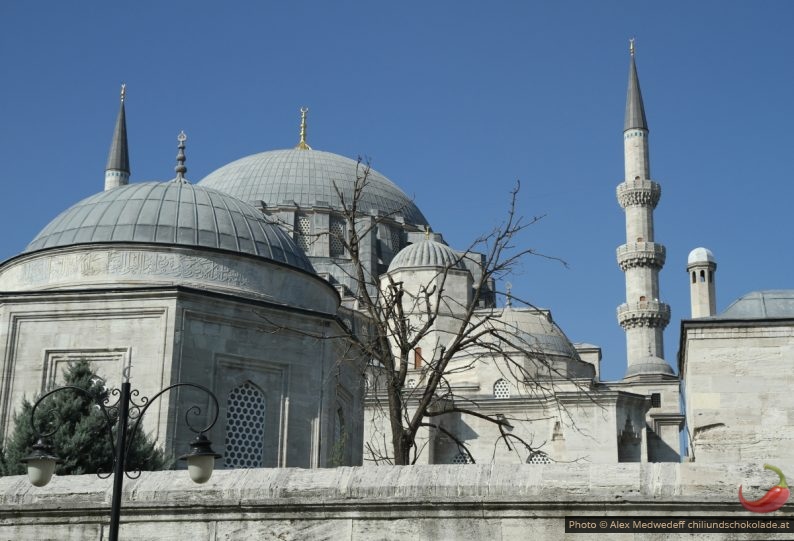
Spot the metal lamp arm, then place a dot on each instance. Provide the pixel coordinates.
(193, 409)
(99, 402)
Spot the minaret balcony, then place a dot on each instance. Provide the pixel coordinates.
(644, 314)
(639, 192)
(641, 254)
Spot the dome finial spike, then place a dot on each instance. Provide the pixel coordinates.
(180, 168)
(302, 145)
(123, 91)
(631, 46)
(427, 232)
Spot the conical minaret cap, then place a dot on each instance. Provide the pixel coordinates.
(119, 158)
(635, 110)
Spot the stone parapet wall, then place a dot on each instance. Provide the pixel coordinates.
(471, 502)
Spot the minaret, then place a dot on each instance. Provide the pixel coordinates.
(117, 171)
(643, 316)
(701, 267)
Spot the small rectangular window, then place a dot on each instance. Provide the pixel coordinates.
(656, 400)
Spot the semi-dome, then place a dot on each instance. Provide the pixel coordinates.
(700, 255)
(427, 253)
(307, 178)
(171, 213)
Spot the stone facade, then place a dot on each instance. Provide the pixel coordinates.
(738, 378)
(454, 503)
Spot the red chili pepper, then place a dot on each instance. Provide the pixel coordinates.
(772, 500)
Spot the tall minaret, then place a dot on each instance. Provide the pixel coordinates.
(643, 316)
(117, 171)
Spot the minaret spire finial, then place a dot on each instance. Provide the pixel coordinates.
(427, 232)
(303, 145)
(631, 46)
(117, 170)
(180, 168)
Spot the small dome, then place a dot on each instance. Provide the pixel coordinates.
(171, 213)
(427, 253)
(307, 178)
(538, 328)
(700, 255)
(769, 304)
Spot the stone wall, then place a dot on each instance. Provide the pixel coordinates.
(471, 502)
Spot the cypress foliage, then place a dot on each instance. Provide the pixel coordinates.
(82, 439)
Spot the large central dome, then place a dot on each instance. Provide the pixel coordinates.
(307, 178)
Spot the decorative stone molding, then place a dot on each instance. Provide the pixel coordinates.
(639, 193)
(643, 314)
(641, 254)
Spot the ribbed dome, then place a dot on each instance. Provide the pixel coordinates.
(171, 213)
(306, 178)
(426, 253)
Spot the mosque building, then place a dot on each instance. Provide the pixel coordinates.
(242, 282)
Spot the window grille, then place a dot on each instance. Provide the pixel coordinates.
(501, 389)
(461, 458)
(538, 457)
(245, 427)
(303, 231)
(656, 400)
(411, 383)
(336, 237)
(396, 239)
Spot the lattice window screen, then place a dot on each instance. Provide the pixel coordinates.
(461, 458)
(336, 236)
(245, 427)
(396, 239)
(501, 389)
(303, 231)
(538, 457)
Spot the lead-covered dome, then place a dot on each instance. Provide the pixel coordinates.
(307, 177)
(427, 253)
(171, 213)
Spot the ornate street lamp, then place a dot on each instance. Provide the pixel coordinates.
(200, 460)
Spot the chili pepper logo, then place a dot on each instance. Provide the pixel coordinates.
(772, 500)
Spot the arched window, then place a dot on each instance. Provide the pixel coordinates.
(694, 277)
(336, 237)
(702, 276)
(538, 457)
(461, 458)
(642, 298)
(245, 427)
(411, 383)
(501, 389)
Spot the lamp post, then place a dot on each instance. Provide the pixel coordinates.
(200, 459)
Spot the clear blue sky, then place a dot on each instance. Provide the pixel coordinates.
(453, 101)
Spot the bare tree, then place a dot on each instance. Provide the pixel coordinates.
(392, 319)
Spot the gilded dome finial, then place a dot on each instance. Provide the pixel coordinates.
(302, 145)
(631, 46)
(180, 168)
(123, 91)
(427, 232)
